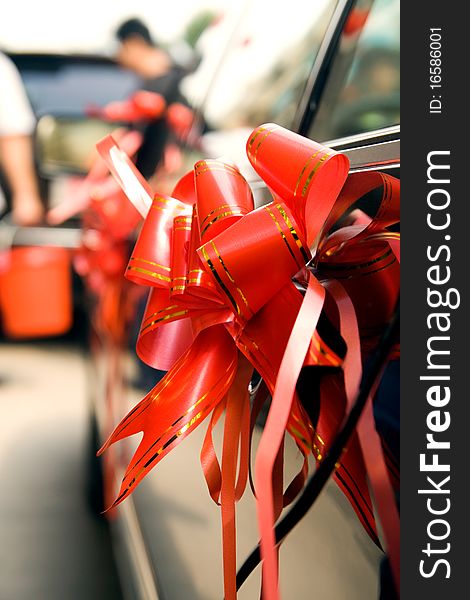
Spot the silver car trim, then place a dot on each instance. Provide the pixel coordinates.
(135, 553)
(363, 139)
(375, 156)
(62, 237)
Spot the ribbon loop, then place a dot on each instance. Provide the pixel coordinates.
(270, 245)
(305, 174)
(223, 196)
(150, 263)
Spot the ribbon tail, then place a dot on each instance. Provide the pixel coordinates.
(261, 396)
(208, 457)
(178, 403)
(369, 440)
(350, 475)
(273, 434)
(235, 419)
(381, 487)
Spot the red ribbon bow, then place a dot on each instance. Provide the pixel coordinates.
(223, 301)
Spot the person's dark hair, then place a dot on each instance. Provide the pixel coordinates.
(134, 28)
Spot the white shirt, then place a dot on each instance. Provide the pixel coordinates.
(16, 115)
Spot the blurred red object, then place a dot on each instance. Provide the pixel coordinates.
(179, 118)
(98, 182)
(35, 291)
(356, 21)
(141, 106)
(112, 211)
(151, 105)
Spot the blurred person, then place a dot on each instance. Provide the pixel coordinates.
(160, 74)
(17, 123)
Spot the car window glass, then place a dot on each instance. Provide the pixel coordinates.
(64, 86)
(363, 90)
(265, 69)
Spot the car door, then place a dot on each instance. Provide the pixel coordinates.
(307, 85)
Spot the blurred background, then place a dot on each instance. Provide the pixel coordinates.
(89, 26)
(173, 82)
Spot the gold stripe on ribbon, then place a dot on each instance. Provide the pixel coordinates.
(234, 206)
(309, 160)
(293, 232)
(202, 278)
(197, 280)
(150, 273)
(283, 236)
(221, 216)
(218, 278)
(312, 173)
(199, 171)
(310, 426)
(161, 311)
(150, 262)
(265, 132)
(161, 199)
(224, 266)
(258, 132)
(165, 318)
(299, 436)
(331, 357)
(218, 163)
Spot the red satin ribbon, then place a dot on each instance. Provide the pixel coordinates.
(276, 425)
(369, 440)
(221, 277)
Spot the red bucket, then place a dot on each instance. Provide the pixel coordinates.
(35, 292)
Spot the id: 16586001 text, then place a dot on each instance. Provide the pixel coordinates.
(435, 70)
